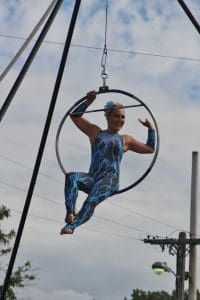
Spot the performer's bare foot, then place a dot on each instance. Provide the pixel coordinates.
(70, 218)
(66, 230)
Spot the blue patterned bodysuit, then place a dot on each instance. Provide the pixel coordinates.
(100, 182)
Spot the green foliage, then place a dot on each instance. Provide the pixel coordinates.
(142, 295)
(23, 275)
(5, 238)
(158, 295)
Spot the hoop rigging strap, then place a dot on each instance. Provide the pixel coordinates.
(104, 74)
(141, 103)
(28, 40)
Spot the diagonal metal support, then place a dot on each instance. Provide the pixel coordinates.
(29, 60)
(190, 15)
(41, 150)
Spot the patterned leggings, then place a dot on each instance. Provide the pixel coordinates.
(97, 192)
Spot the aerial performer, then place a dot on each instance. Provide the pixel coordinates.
(107, 148)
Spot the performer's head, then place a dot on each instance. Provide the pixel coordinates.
(115, 116)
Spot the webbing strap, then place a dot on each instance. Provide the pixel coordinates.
(28, 40)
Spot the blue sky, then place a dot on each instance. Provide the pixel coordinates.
(156, 57)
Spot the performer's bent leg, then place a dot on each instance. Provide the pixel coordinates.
(75, 181)
(99, 192)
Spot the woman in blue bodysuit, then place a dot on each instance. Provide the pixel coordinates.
(107, 148)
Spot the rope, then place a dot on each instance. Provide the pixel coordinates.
(28, 40)
(104, 75)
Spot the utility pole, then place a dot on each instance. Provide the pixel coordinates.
(178, 247)
(180, 266)
(193, 228)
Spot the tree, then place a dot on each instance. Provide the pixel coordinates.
(23, 275)
(142, 295)
(158, 295)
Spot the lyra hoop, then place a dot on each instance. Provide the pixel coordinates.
(141, 103)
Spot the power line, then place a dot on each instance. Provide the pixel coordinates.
(54, 179)
(29, 168)
(58, 203)
(141, 215)
(97, 217)
(117, 223)
(132, 52)
(28, 40)
(88, 229)
(45, 130)
(24, 191)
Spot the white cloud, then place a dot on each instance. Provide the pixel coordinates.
(55, 294)
(168, 86)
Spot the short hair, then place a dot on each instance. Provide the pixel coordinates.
(110, 106)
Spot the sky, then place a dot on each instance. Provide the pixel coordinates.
(153, 53)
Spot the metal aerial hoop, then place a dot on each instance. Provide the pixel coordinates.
(103, 90)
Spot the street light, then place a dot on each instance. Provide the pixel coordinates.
(160, 267)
